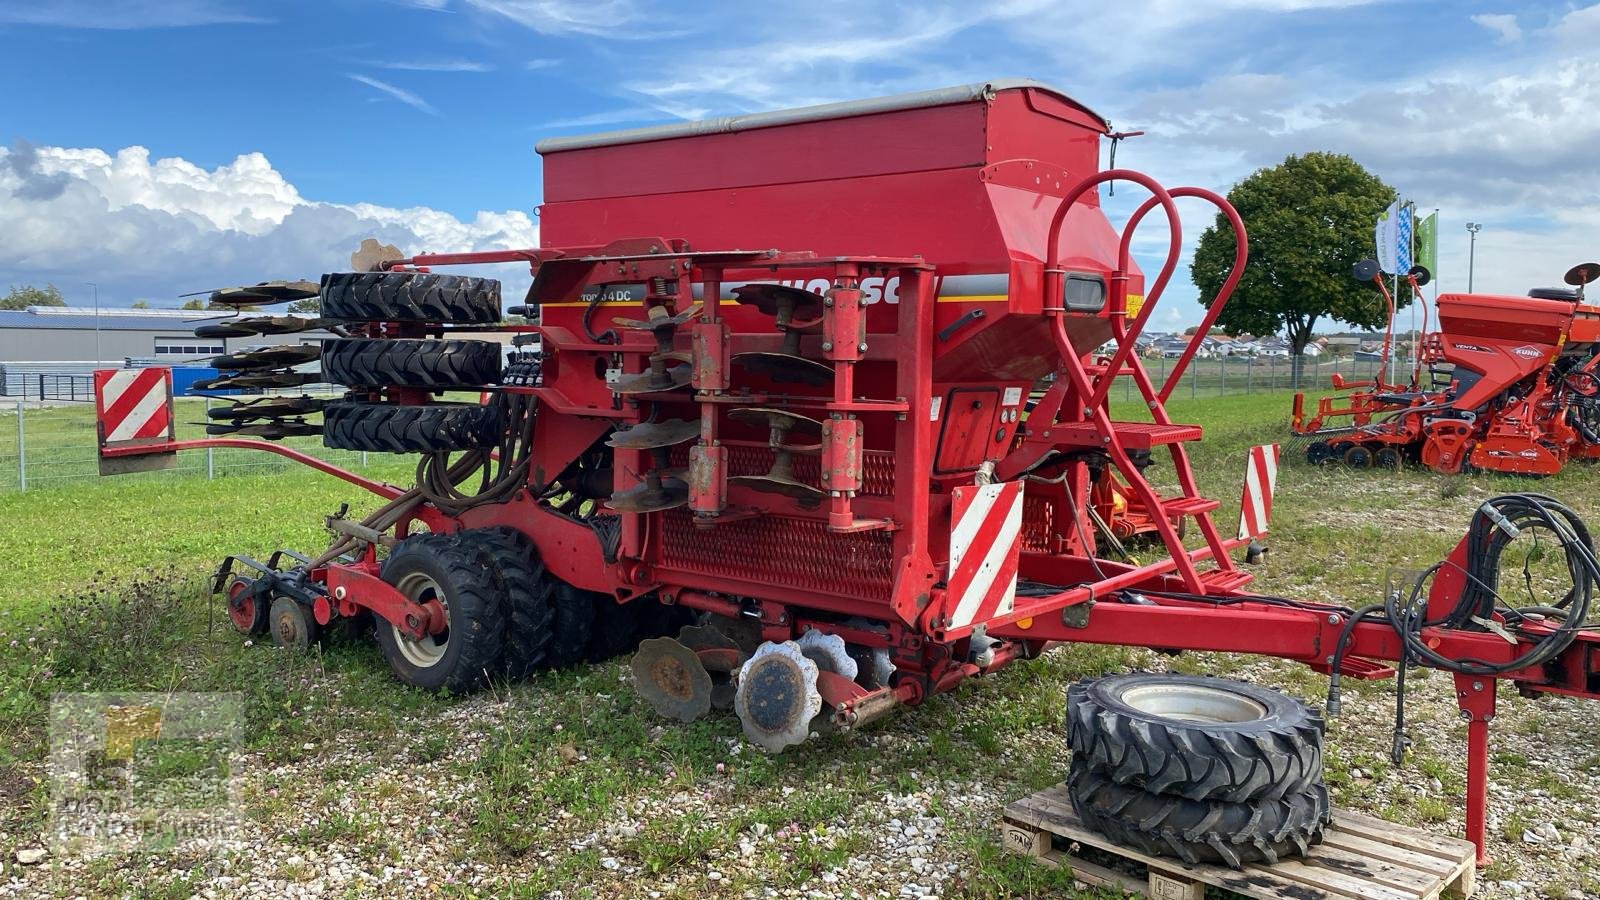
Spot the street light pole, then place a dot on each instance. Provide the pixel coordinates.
(96, 320)
(1472, 251)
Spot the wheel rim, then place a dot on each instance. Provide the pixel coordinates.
(425, 652)
(1193, 703)
(241, 609)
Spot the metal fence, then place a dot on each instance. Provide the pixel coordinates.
(1223, 375)
(53, 443)
(42, 446)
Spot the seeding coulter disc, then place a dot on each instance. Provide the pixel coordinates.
(828, 652)
(671, 678)
(777, 696)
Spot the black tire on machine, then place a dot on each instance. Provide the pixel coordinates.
(384, 362)
(449, 570)
(391, 428)
(410, 297)
(572, 626)
(528, 591)
(1195, 737)
(615, 628)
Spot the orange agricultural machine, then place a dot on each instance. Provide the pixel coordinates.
(1513, 387)
(771, 428)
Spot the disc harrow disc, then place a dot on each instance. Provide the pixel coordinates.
(777, 418)
(371, 256)
(777, 696)
(670, 677)
(268, 357)
(273, 430)
(225, 330)
(644, 498)
(773, 298)
(650, 435)
(778, 484)
(649, 383)
(265, 293)
(274, 379)
(267, 408)
(670, 323)
(784, 368)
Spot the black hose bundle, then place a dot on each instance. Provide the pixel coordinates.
(1497, 523)
(501, 473)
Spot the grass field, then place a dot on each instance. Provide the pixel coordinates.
(568, 785)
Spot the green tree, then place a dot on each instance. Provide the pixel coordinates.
(196, 303)
(28, 295)
(141, 304)
(311, 305)
(1309, 221)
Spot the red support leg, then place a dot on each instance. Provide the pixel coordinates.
(1475, 696)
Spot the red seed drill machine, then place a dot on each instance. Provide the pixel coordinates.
(779, 378)
(1513, 388)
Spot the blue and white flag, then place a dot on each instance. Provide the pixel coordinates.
(1403, 241)
(1393, 238)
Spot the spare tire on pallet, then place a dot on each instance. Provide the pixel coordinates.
(383, 362)
(449, 571)
(1198, 831)
(390, 428)
(410, 297)
(1195, 737)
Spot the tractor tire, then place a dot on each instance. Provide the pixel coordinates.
(1388, 458)
(574, 624)
(615, 630)
(1195, 737)
(528, 590)
(384, 362)
(448, 569)
(388, 428)
(410, 297)
(1196, 832)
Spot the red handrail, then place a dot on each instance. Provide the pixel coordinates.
(1054, 276)
(1241, 255)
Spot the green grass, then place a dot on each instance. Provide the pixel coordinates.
(102, 590)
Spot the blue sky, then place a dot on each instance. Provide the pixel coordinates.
(288, 127)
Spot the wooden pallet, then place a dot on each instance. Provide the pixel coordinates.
(1360, 857)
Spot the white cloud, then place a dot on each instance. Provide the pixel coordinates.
(404, 96)
(1503, 25)
(122, 15)
(1581, 27)
(155, 228)
(599, 18)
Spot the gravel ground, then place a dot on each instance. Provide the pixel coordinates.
(345, 815)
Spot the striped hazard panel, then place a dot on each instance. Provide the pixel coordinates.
(133, 404)
(985, 538)
(1260, 479)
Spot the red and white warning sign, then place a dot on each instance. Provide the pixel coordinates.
(133, 404)
(1260, 479)
(985, 539)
